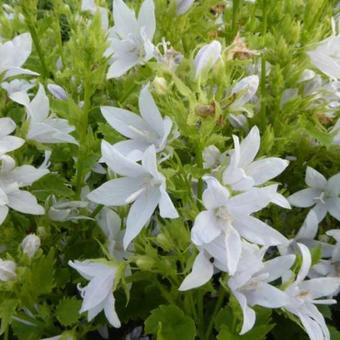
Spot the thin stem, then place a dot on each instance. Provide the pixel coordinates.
(218, 306)
(36, 42)
(235, 18)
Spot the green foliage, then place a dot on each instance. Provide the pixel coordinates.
(170, 323)
(67, 311)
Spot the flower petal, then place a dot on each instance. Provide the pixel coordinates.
(202, 272)
(215, 195)
(116, 191)
(304, 198)
(110, 311)
(146, 18)
(314, 179)
(166, 207)
(321, 287)
(25, 202)
(139, 214)
(249, 315)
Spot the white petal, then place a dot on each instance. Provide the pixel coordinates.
(150, 112)
(131, 149)
(325, 63)
(125, 122)
(39, 107)
(116, 191)
(27, 174)
(233, 249)
(120, 164)
(254, 230)
(333, 206)
(264, 170)
(215, 195)
(166, 207)
(139, 214)
(146, 18)
(207, 56)
(249, 147)
(3, 213)
(15, 71)
(97, 291)
(249, 315)
(310, 227)
(10, 143)
(267, 296)
(304, 198)
(120, 66)
(278, 266)
(202, 272)
(25, 202)
(306, 263)
(205, 228)
(333, 185)
(321, 287)
(20, 97)
(110, 312)
(124, 19)
(314, 179)
(7, 126)
(251, 201)
(149, 163)
(89, 269)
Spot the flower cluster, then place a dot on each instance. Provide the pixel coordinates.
(169, 168)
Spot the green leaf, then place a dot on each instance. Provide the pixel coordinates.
(7, 309)
(67, 311)
(170, 323)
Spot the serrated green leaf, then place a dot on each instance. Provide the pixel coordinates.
(170, 323)
(67, 311)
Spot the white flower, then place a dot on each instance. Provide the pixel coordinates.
(44, 128)
(30, 244)
(97, 295)
(14, 54)
(145, 130)
(250, 284)
(207, 57)
(183, 6)
(323, 195)
(141, 184)
(130, 39)
(217, 231)
(326, 57)
(304, 294)
(110, 223)
(17, 89)
(244, 91)
(57, 91)
(8, 143)
(11, 180)
(7, 270)
(213, 157)
(243, 172)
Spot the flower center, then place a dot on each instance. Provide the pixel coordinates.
(320, 198)
(223, 214)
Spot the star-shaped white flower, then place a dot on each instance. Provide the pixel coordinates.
(244, 172)
(145, 130)
(98, 295)
(250, 284)
(141, 184)
(13, 178)
(14, 54)
(321, 194)
(45, 128)
(304, 294)
(7, 270)
(130, 39)
(218, 231)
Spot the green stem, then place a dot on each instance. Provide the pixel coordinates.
(218, 306)
(235, 18)
(36, 42)
(82, 129)
(199, 160)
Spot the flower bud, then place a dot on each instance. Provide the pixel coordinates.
(30, 244)
(57, 91)
(145, 262)
(183, 6)
(7, 270)
(207, 57)
(160, 85)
